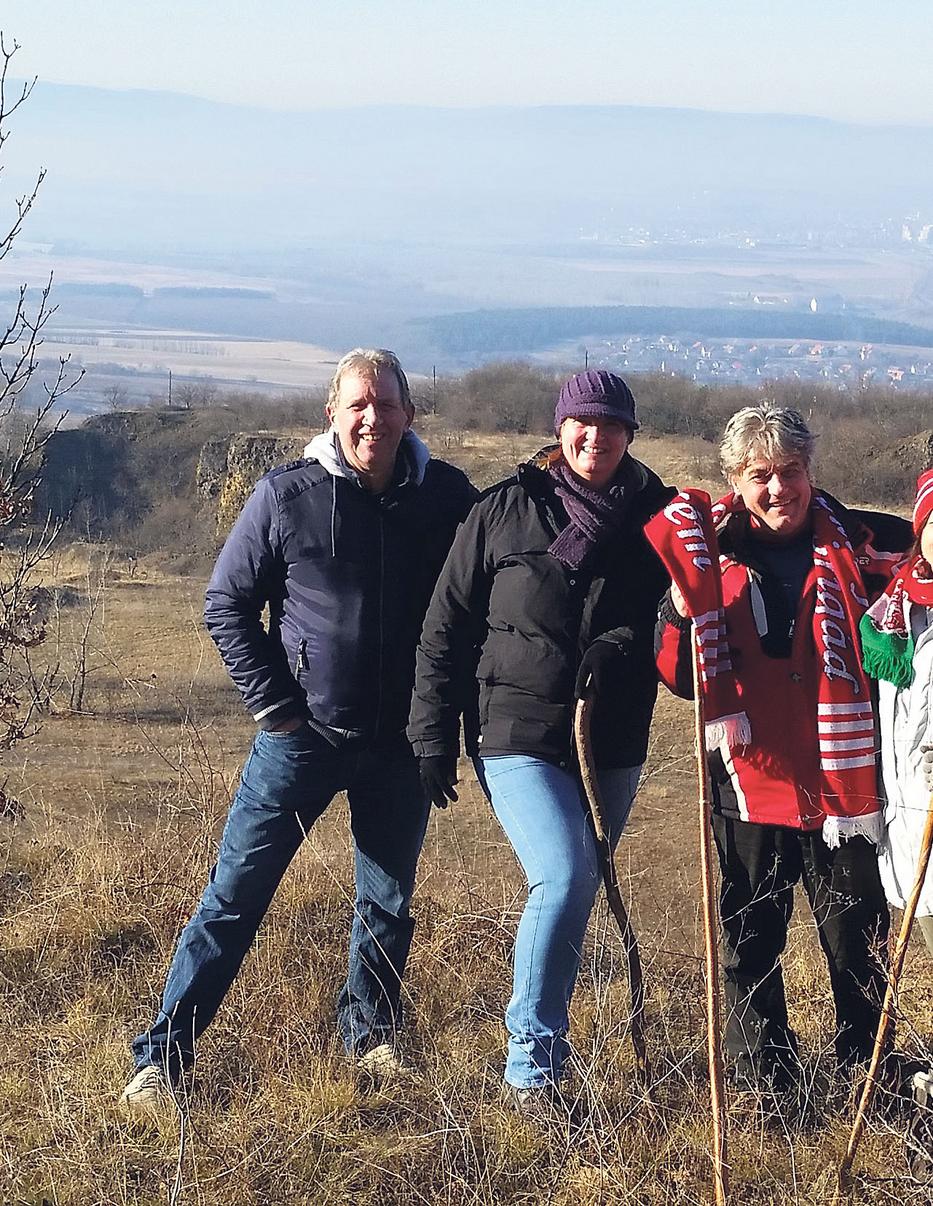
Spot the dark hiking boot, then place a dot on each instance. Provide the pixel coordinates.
(893, 1099)
(778, 1102)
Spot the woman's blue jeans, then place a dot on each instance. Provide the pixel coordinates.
(287, 782)
(544, 815)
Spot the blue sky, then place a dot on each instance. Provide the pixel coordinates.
(851, 59)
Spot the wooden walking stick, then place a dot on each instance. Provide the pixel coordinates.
(581, 732)
(713, 1009)
(886, 1020)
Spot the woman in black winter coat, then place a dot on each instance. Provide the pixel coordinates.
(550, 586)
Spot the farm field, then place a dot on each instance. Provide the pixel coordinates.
(119, 804)
(190, 354)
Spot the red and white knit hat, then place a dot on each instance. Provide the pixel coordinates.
(923, 508)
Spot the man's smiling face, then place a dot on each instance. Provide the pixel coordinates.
(370, 420)
(777, 496)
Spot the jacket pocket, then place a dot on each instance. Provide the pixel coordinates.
(296, 742)
(301, 659)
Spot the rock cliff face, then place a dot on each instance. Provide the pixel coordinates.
(83, 478)
(228, 469)
(157, 477)
(898, 464)
(915, 454)
(211, 470)
(115, 468)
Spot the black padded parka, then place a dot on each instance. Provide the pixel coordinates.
(509, 617)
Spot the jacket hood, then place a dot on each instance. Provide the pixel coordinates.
(323, 449)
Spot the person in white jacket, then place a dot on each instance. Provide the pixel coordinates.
(897, 641)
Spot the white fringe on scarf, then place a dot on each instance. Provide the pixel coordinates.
(837, 830)
(734, 730)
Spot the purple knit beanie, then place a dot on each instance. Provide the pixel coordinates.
(595, 394)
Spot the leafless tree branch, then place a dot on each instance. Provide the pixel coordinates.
(24, 434)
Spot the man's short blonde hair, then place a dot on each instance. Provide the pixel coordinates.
(766, 432)
(367, 362)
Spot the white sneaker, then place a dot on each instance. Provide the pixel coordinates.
(382, 1063)
(545, 1105)
(148, 1091)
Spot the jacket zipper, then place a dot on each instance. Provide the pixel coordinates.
(301, 661)
(382, 571)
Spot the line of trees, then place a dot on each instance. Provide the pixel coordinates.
(494, 332)
(130, 477)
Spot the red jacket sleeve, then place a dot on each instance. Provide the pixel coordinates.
(672, 649)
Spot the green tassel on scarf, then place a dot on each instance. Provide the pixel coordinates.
(886, 655)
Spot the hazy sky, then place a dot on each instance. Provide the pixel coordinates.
(851, 59)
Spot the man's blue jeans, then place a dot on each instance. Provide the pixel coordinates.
(544, 815)
(287, 782)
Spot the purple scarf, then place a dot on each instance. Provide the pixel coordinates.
(594, 514)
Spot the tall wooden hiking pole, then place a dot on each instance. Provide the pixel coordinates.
(713, 1011)
(888, 1008)
(581, 732)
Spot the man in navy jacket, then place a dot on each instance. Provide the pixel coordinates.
(344, 547)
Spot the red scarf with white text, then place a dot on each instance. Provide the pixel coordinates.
(832, 603)
(683, 536)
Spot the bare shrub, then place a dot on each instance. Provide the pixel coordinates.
(509, 397)
(25, 436)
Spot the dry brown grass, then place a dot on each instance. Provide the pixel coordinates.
(123, 805)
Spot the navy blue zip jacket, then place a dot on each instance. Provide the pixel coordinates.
(347, 576)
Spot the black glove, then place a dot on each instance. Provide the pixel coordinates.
(603, 661)
(438, 775)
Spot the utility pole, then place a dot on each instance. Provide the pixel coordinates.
(586, 359)
(433, 389)
(170, 387)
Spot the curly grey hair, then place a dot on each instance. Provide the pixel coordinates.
(773, 433)
(367, 362)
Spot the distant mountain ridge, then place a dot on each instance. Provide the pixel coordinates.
(139, 169)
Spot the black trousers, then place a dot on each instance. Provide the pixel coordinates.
(760, 865)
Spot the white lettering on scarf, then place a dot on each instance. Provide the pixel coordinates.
(826, 603)
(829, 603)
(680, 512)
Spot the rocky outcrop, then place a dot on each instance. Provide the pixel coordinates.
(86, 479)
(228, 469)
(157, 477)
(104, 477)
(914, 454)
(211, 470)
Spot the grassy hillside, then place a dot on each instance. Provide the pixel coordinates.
(102, 858)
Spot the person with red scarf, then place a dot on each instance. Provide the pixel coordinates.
(776, 577)
(897, 644)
